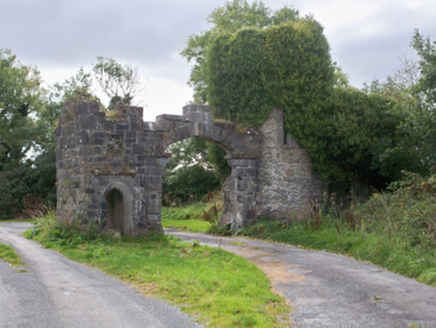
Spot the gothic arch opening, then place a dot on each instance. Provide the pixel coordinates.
(115, 211)
(195, 174)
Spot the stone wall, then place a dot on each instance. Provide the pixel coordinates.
(287, 186)
(96, 155)
(109, 171)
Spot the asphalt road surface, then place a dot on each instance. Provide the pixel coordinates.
(326, 290)
(56, 292)
(330, 290)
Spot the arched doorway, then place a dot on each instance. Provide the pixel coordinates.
(196, 175)
(115, 210)
(195, 171)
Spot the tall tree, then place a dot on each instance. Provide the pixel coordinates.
(20, 104)
(426, 50)
(119, 82)
(412, 94)
(232, 17)
(421, 123)
(19, 101)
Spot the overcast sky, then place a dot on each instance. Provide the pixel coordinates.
(368, 38)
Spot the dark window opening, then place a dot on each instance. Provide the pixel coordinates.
(115, 210)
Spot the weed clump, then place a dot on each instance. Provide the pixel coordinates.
(8, 254)
(53, 234)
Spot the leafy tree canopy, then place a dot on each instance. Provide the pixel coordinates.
(20, 101)
(230, 18)
(412, 92)
(195, 169)
(254, 70)
(118, 82)
(28, 118)
(426, 50)
(20, 104)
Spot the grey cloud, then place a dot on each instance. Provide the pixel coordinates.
(75, 32)
(375, 56)
(363, 64)
(72, 33)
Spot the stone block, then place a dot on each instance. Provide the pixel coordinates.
(83, 138)
(97, 138)
(121, 127)
(138, 149)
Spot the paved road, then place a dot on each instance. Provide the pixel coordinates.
(326, 290)
(57, 292)
(329, 290)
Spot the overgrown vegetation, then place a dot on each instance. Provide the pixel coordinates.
(279, 59)
(267, 59)
(396, 230)
(28, 118)
(8, 254)
(218, 288)
(187, 217)
(286, 66)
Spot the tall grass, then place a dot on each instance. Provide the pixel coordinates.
(196, 217)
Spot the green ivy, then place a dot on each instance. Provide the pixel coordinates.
(254, 70)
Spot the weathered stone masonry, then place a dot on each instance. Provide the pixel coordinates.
(109, 171)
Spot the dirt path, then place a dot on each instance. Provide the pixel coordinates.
(330, 290)
(56, 292)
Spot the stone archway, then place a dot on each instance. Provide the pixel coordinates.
(120, 162)
(242, 148)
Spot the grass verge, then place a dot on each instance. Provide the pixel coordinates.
(9, 255)
(394, 253)
(218, 288)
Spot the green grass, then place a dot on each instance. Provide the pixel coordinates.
(213, 285)
(9, 255)
(186, 218)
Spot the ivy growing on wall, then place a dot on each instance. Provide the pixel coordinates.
(286, 66)
(289, 67)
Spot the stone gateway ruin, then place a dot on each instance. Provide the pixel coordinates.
(109, 170)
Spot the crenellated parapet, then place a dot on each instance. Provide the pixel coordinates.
(196, 121)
